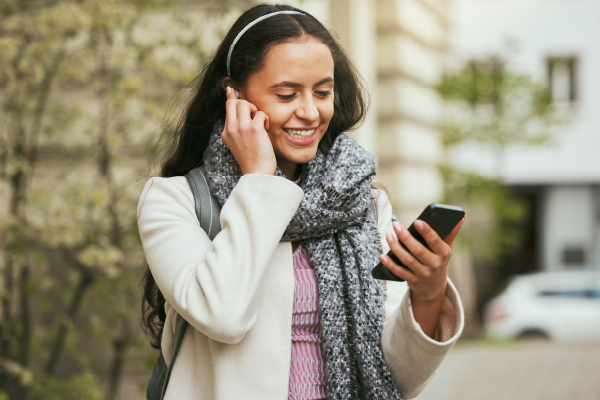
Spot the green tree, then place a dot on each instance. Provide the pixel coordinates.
(497, 108)
(84, 85)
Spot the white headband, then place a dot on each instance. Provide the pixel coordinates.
(250, 25)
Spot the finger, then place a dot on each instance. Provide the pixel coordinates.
(452, 235)
(422, 253)
(230, 93)
(253, 110)
(410, 261)
(260, 121)
(231, 110)
(435, 243)
(397, 270)
(243, 115)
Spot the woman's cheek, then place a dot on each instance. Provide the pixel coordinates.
(279, 116)
(327, 111)
(326, 119)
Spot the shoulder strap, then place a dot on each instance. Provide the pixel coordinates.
(208, 209)
(180, 327)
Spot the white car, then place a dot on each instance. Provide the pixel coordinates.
(561, 305)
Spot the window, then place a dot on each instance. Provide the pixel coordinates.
(574, 257)
(562, 79)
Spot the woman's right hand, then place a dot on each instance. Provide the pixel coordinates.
(245, 134)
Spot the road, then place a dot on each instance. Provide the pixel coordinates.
(485, 371)
(535, 370)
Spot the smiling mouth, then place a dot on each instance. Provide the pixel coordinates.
(300, 133)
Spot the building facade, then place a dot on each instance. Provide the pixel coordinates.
(555, 42)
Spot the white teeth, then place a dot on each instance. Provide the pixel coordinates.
(300, 134)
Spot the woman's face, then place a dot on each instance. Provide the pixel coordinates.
(295, 89)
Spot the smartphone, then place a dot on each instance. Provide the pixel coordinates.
(442, 219)
(237, 93)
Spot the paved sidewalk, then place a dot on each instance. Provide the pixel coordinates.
(517, 371)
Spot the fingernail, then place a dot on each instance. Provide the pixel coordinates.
(419, 224)
(228, 90)
(397, 226)
(383, 258)
(389, 237)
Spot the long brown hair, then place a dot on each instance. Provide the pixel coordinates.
(187, 145)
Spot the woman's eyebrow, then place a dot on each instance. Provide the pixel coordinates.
(298, 85)
(322, 81)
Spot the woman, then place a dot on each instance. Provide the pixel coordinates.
(281, 304)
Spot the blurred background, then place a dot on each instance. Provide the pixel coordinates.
(487, 104)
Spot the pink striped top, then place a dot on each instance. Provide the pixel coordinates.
(307, 371)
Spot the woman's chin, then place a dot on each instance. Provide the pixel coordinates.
(298, 156)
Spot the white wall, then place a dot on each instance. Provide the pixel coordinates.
(539, 28)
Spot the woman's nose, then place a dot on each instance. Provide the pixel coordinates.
(307, 109)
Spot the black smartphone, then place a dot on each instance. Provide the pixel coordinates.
(442, 219)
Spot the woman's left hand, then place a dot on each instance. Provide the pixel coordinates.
(426, 274)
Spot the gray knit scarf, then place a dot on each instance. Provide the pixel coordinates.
(339, 232)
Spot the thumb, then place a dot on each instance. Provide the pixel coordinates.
(452, 235)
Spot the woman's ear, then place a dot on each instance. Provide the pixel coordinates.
(228, 82)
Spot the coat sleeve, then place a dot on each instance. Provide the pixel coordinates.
(412, 356)
(215, 285)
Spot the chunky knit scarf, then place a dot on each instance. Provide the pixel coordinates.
(339, 231)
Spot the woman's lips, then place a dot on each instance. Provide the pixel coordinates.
(304, 141)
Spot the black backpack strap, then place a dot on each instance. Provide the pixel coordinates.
(180, 327)
(208, 211)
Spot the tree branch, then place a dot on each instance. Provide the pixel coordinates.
(85, 281)
(120, 346)
(25, 318)
(6, 327)
(42, 103)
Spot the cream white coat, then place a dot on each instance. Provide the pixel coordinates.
(237, 293)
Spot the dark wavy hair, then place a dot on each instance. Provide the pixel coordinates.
(192, 132)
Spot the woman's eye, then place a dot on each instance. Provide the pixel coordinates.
(286, 96)
(323, 94)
